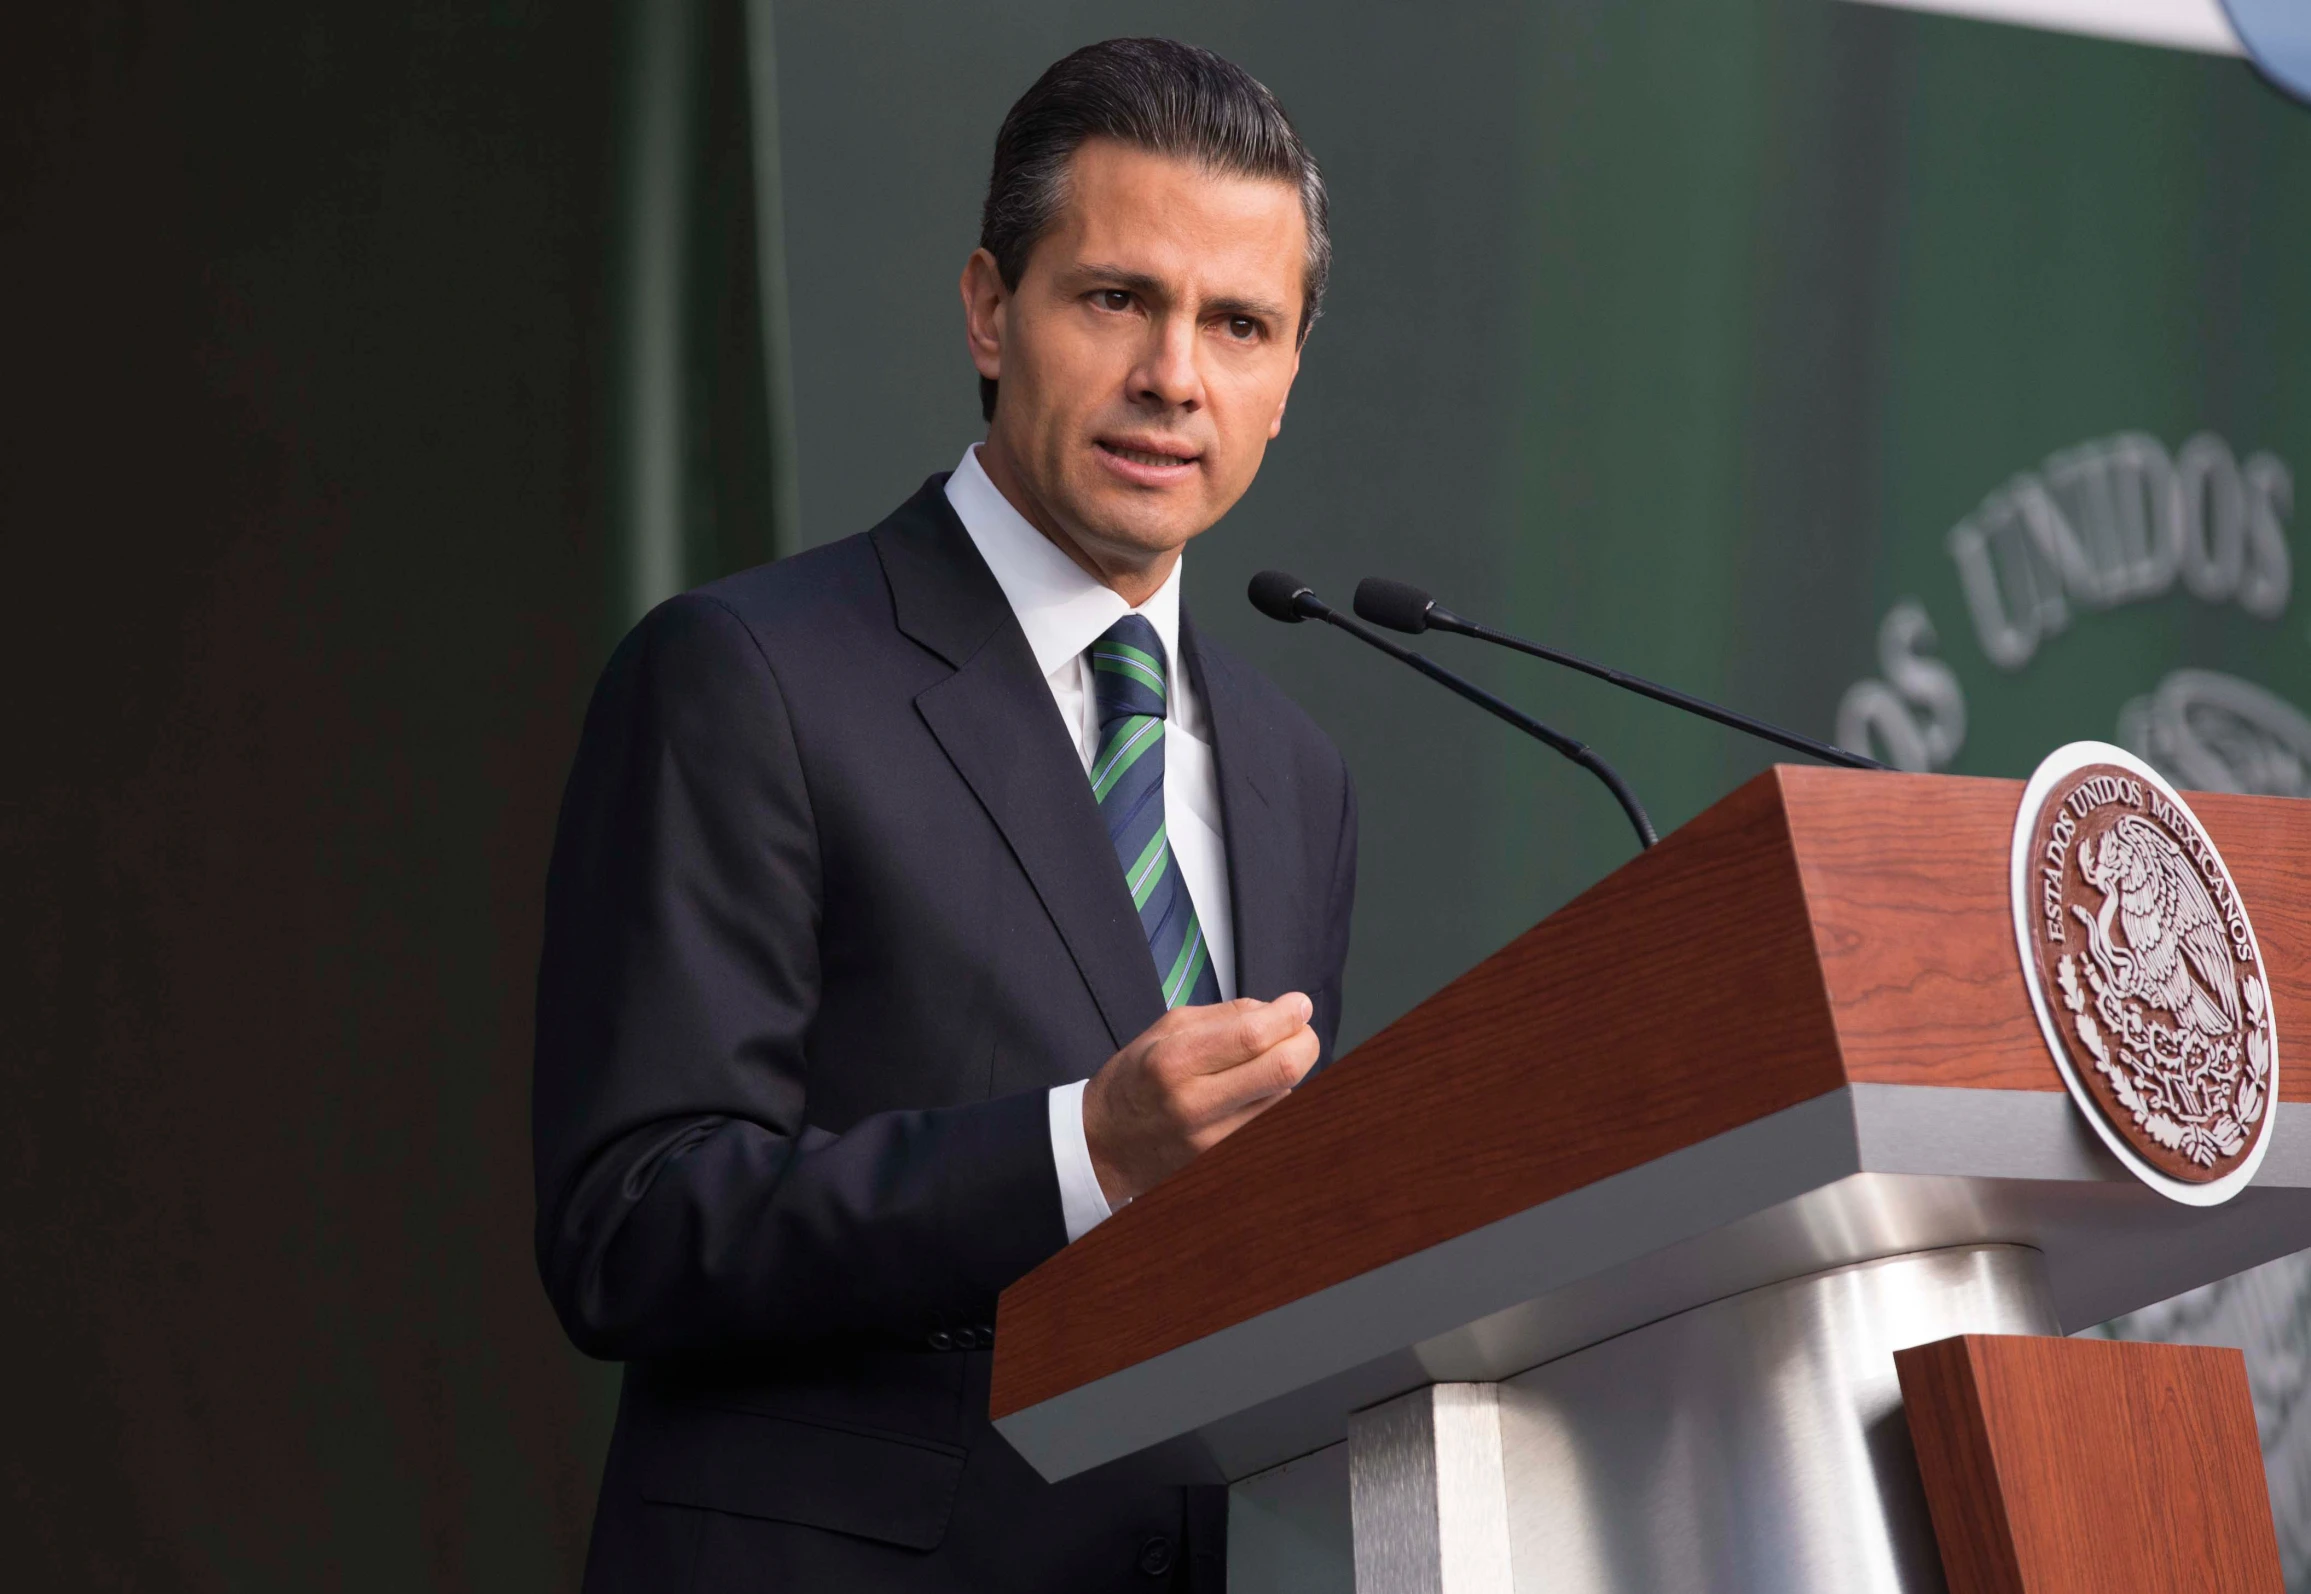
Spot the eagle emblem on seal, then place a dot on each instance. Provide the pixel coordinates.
(2148, 982)
(2175, 956)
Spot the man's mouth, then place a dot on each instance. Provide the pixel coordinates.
(1147, 456)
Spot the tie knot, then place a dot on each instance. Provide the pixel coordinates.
(1128, 670)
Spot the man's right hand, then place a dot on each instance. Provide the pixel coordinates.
(1191, 1079)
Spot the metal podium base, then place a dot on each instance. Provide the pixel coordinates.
(1755, 1445)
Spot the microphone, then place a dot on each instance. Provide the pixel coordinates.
(1402, 607)
(1291, 600)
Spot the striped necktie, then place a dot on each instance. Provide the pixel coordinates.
(1127, 776)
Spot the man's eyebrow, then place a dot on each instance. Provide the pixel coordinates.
(1137, 281)
(1258, 309)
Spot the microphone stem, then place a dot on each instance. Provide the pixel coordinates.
(1588, 759)
(1579, 752)
(1445, 620)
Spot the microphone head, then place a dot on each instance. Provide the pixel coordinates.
(1394, 605)
(1278, 596)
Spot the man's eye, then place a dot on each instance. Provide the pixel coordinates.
(1243, 328)
(1114, 299)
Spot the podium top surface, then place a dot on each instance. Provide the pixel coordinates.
(1705, 1038)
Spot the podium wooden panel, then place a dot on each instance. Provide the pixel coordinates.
(1817, 930)
(2083, 1466)
(1793, 1038)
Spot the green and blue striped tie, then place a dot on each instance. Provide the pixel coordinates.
(1127, 776)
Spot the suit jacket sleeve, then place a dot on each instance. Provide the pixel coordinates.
(684, 1205)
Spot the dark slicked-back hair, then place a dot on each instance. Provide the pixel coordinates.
(1152, 94)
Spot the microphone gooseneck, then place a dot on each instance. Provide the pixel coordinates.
(1288, 599)
(1402, 607)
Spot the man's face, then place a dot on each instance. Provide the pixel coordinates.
(1145, 355)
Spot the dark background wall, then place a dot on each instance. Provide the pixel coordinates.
(305, 580)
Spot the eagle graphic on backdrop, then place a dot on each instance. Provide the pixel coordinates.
(2173, 930)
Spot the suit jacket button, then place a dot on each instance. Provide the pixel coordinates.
(1155, 1556)
(942, 1340)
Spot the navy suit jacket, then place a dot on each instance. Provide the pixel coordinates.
(831, 908)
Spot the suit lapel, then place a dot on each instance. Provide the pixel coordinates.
(994, 720)
(1259, 839)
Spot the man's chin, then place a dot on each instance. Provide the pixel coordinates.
(1136, 534)
(1152, 522)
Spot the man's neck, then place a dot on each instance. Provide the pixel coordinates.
(1134, 583)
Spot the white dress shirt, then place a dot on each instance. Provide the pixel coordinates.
(1063, 611)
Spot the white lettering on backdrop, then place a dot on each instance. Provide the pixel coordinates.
(2107, 523)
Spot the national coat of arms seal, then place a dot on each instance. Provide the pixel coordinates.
(2145, 973)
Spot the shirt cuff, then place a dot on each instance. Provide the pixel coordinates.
(1081, 1202)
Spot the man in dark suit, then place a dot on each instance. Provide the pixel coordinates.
(872, 856)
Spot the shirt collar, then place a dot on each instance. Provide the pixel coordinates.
(1060, 607)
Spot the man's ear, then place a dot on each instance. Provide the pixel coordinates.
(984, 301)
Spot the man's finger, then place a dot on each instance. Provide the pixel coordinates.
(1236, 1032)
(1272, 1022)
(1269, 1075)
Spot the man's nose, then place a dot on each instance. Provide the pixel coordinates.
(1168, 376)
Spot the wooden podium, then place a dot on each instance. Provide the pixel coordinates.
(1588, 1273)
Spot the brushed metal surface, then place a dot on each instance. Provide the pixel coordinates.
(1430, 1502)
(1755, 1445)
(1867, 1171)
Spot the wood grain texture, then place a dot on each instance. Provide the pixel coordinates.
(1905, 877)
(1906, 880)
(2083, 1466)
(1674, 1001)
(1816, 927)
